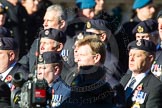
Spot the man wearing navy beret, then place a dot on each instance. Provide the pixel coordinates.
(142, 88)
(49, 68)
(142, 10)
(148, 30)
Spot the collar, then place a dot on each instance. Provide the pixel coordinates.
(4, 74)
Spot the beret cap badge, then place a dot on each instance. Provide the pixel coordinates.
(40, 59)
(138, 43)
(80, 36)
(46, 32)
(140, 29)
(88, 25)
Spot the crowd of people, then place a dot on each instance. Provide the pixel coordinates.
(90, 61)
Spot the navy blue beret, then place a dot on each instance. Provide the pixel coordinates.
(98, 24)
(143, 44)
(141, 3)
(53, 34)
(85, 4)
(2, 9)
(159, 14)
(8, 43)
(147, 26)
(49, 57)
(4, 32)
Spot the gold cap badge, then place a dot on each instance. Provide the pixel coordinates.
(140, 29)
(88, 25)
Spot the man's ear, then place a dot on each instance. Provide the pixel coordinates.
(12, 56)
(62, 24)
(59, 47)
(103, 37)
(97, 58)
(57, 70)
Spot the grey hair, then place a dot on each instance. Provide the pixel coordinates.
(59, 10)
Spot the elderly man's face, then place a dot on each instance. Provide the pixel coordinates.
(5, 59)
(51, 20)
(47, 45)
(139, 60)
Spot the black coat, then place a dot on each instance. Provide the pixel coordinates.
(17, 23)
(93, 87)
(152, 86)
(4, 95)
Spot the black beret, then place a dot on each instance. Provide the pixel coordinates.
(2, 9)
(147, 26)
(49, 57)
(142, 44)
(8, 43)
(159, 14)
(98, 24)
(4, 32)
(53, 34)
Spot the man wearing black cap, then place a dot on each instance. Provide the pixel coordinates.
(50, 40)
(148, 30)
(142, 10)
(142, 88)
(49, 67)
(8, 64)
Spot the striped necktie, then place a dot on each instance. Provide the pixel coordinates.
(130, 88)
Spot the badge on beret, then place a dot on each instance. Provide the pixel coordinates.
(138, 43)
(80, 36)
(40, 58)
(140, 29)
(46, 32)
(1, 9)
(88, 25)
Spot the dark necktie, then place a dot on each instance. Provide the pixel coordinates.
(130, 88)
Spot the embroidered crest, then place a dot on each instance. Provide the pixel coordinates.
(140, 29)
(139, 43)
(88, 25)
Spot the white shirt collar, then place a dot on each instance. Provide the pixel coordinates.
(4, 74)
(138, 78)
